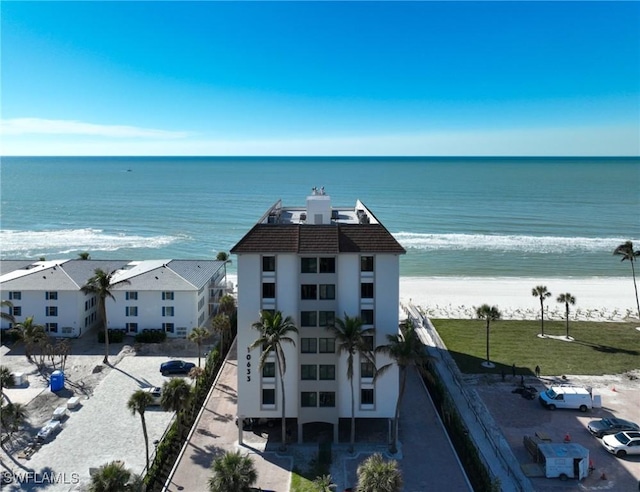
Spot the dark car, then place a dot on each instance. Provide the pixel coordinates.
(604, 427)
(176, 367)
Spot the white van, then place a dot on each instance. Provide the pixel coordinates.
(574, 397)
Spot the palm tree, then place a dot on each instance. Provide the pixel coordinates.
(221, 324)
(138, 403)
(198, 336)
(176, 396)
(541, 292)
(232, 472)
(224, 256)
(274, 332)
(84, 256)
(112, 477)
(8, 316)
(567, 299)
(406, 349)
(7, 380)
(377, 475)
(12, 416)
(101, 285)
(490, 313)
(30, 334)
(324, 483)
(626, 251)
(351, 338)
(227, 304)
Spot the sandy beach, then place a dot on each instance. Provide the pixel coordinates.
(597, 299)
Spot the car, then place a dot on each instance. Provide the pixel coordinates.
(606, 426)
(156, 395)
(176, 367)
(622, 443)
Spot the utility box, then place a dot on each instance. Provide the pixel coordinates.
(597, 401)
(563, 460)
(57, 381)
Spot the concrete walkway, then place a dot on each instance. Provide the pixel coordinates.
(425, 455)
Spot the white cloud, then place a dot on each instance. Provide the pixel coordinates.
(561, 141)
(40, 126)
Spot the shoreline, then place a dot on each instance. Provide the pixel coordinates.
(597, 298)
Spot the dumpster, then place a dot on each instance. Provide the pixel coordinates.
(57, 380)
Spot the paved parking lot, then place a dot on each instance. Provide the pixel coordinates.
(101, 430)
(518, 417)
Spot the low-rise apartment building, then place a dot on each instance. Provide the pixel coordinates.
(316, 263)
(170, 295)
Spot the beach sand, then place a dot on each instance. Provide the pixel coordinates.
(597, 299)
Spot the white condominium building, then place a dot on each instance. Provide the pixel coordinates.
(316, 263)
(173, 296)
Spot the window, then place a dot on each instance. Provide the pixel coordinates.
(327, 372)
(167, 296)
(366, 263)
(51, 295)
(308, 345)
(51, 311)
(132, 327)
(327, 399)
(268, 263)
(15, 296)
(327, 265)
(269, 396)
(308, 318)
(268, 290)
(308, 372)
(367, 316)
(16, 310)
(326, 318)
(168, 327)
(308, 399)
(309, 265)
(366, 396)
(327, 291)
(327, 345)
(308, 291)
(368, 342)
(131, 296)
(366, 290)
(367, 369)
(131, 311)
(52, 327)
(167, 310)
(269, 370)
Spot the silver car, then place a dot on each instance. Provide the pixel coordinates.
(156, 394)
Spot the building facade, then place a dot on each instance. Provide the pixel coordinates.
(174, 296)
(316, 263)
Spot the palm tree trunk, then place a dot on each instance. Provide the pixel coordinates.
(403, 383)
(103, 313)
(488, 322)
(284, 415)
(352, 438)
(635, 286)
(146, 438)
(567, 304)
(541, 316)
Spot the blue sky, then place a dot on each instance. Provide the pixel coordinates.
(320, 78)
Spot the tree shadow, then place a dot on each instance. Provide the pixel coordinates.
(607, 349)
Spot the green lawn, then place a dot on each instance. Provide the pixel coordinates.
(598, 348)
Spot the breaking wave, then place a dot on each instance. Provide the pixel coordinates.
(63, 241)
(488, 242)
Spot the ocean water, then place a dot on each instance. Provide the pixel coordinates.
(515, 217)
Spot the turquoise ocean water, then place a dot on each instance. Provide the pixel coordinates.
(517, 217)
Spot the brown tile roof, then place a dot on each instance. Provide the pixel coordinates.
(326, 239)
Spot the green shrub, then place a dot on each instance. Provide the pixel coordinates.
(115, 336)
(151, 336)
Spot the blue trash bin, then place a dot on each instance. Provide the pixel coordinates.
(57, 380)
